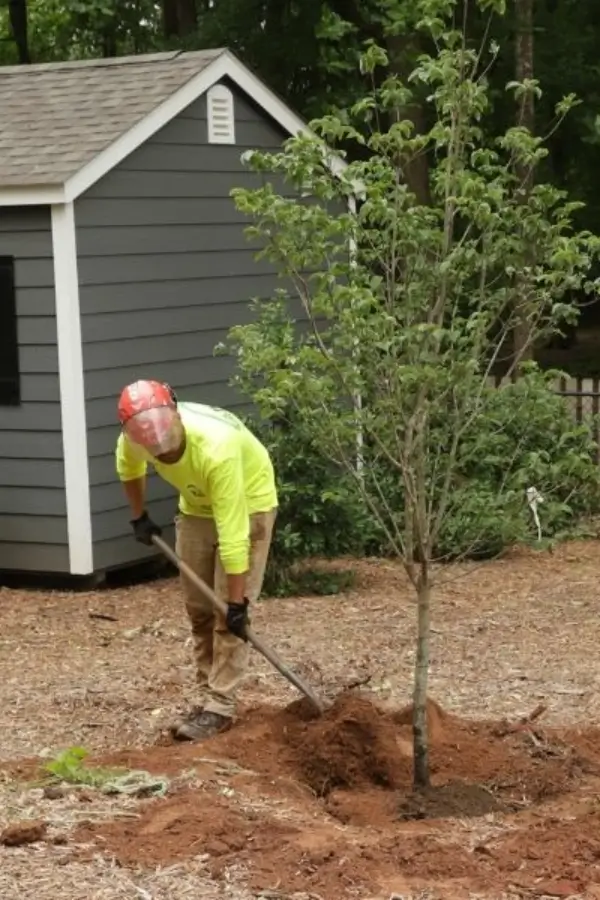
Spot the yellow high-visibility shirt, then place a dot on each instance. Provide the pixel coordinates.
(225, 474)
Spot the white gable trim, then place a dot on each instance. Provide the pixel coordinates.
(72, 396)
(225, 65)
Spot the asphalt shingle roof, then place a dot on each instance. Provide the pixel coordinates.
(56, 117)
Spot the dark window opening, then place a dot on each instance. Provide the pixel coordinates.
(10, 382)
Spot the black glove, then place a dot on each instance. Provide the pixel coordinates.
(144, 528)
(237, 618)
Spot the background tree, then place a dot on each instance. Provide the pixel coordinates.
(409, 303)
(17, 12)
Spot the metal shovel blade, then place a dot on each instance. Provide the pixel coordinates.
(253, 638)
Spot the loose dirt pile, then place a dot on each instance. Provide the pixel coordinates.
(291, 779)
(354, 745)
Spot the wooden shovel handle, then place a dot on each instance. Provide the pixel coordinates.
(253, 638)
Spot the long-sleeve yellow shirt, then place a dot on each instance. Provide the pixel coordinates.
(225, 473)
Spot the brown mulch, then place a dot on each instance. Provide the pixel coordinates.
(286, 804)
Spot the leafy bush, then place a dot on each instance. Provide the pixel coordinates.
(321, 515)
(521, 435)
(527, 431)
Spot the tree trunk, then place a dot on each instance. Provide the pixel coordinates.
(402, 50)
(186, 15)
(525, 117)
(420, 731)
(17, 11)
(109, 42)
(179, 17)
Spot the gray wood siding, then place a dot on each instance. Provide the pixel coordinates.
(33, 523)
(165, 269)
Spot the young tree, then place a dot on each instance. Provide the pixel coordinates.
(409, 304)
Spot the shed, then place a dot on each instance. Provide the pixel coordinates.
(122, 255)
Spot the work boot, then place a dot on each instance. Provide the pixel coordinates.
(180, 721)
(203, 726)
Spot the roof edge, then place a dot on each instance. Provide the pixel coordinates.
(224, 65)
(32, 195)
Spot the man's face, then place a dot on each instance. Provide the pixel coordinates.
(159, 431)
(173, 456)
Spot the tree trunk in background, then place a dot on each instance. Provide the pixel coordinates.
(17, 11)
(179, 17)
(402, 49)
(526, 117)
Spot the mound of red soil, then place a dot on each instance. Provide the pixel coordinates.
(357, 760)
(353, 745)
(356, 747)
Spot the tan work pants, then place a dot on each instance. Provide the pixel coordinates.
(221, 658)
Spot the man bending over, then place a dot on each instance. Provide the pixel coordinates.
(227, 511)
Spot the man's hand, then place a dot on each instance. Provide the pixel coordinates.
(237, 618)
(144, 528)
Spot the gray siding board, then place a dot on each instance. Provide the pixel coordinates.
(35, 302)
(107, 497)
(168, 267)
(25, 218)
(37, 331)
(148, 351)
(50, 530)
(187, 292)
(39, 358)
(110, 382)
(116, 327)
(43, 388)
(30, 501)
(27, 557)
(32, 272)
(31, 473)
(104, 442)
(119, 551)
(31, 417)
(115, 522)
(33, 525)
(39, 244)
(25, 445)
(132, 184)
(106, 212)
(124, 241)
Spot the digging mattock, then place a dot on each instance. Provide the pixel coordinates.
(253, 638)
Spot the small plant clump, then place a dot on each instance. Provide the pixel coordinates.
(69, 767)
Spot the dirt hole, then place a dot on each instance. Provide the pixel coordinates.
(456, 800)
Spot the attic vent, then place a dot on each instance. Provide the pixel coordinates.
(221, 118)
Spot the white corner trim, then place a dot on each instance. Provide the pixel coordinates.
(225, 65)
(72, 396)
(31, 196)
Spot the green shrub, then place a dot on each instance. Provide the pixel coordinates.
(321, 515)
(521, 435)
(525, 436)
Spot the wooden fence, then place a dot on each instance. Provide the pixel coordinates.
(582, 396)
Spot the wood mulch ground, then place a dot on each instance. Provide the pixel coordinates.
(281, 807)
